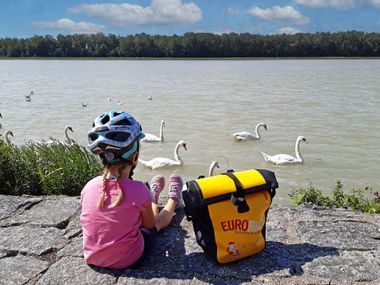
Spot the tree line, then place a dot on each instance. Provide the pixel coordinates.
(193, 45)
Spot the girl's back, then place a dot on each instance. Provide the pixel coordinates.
(111, 236)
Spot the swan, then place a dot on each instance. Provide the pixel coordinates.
(6, 137)
(212, 167)
(239, 136)
(153, 138)
(54, 141)
(159, 162)
(281, 159)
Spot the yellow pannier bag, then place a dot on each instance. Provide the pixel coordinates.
(229, 212)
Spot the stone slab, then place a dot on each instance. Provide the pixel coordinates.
(73, 271)
(9, 205)
(51, 212)
(20, 269)
(305, 245)
(29, 240)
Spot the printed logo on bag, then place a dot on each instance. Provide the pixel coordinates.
(243, 226)
(231, 249)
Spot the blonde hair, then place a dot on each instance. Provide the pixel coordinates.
(120, 196)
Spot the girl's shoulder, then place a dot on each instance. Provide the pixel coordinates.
(94, 182)
(138, 189)
(136, 184)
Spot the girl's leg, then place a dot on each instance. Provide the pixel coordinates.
(157, 184)
(149, 240)
(165, 217)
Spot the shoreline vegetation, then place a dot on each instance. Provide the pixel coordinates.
(191, 45)
(191, 58)
(62, 168)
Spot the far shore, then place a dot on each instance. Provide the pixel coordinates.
(185, 58)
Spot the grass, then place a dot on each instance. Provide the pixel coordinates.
(38, 169)
(362, 200)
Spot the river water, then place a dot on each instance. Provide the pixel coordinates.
(333, 103)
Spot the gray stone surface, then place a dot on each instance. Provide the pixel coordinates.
(12, 204)
(51, 212)
(29, 240)
(20, 269)
(72, 271)
(41, 243)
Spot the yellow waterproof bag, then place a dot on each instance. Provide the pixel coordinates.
(229, 212)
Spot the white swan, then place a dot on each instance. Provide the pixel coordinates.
(250, 136)
(152, 138)
(159, 162)
(54, 141)
(212, 167)
(281, 159)
(6, 137)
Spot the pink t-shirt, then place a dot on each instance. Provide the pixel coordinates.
(111, 237)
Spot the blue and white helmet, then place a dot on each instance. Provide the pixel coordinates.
(114, 136)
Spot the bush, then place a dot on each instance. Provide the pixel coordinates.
(363, 200)
(38, 169)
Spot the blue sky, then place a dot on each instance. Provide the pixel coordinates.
(25, 18)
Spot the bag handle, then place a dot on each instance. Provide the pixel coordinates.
(238, 197)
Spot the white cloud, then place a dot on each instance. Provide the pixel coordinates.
(233, 10)
(70, 26)
(375, 3)
(163, 12)
(277, 13)
(338, 4)
(288, 31)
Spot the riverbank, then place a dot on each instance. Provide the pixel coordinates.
(40, 243)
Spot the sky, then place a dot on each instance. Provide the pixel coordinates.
(26, 18)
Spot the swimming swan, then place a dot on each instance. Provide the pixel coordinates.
(212, 167)
(239, 136)
(53, 141)
(281, 159)
(159, 162)
(153, 138)
(6, 137)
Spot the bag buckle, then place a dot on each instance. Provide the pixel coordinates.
(241, 203)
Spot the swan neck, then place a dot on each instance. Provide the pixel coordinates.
(162, 132)
(6, 139)
(176, 156)
(67, 135)
(297, 151)
(211, 170)
(257, 131)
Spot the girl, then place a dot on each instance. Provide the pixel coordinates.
(120, 216)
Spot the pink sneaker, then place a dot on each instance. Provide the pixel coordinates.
(157, 184)
(175, 189)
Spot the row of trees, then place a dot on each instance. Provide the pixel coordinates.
(345, 44)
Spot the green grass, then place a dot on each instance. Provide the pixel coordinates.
(37, 169)
(362, 200)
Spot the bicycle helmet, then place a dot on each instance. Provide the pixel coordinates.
(114, 136)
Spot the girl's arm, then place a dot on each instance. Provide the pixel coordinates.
(147, 217)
